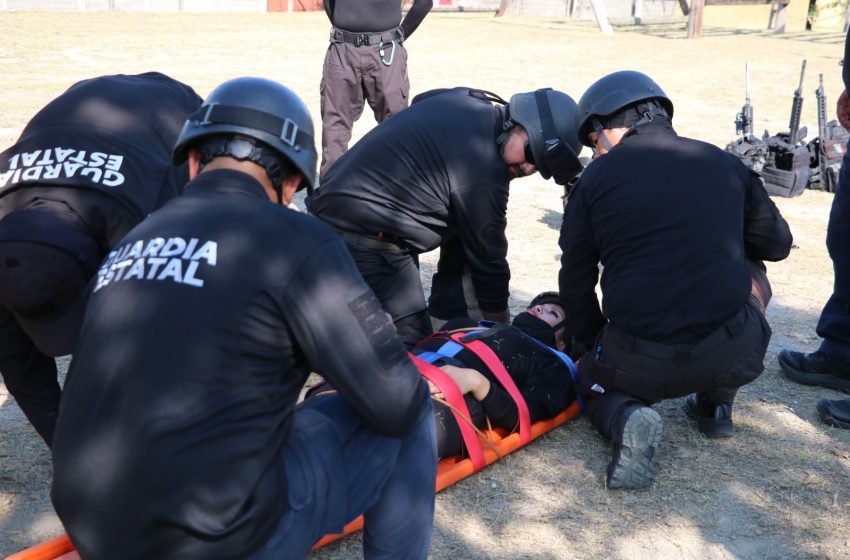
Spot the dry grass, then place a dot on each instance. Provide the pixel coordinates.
(779, 489)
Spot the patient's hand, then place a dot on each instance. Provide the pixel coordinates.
(468, 380)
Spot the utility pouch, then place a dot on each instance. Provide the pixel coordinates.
(785, 183)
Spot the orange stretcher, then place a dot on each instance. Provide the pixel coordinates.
(449, 471)
(496, 444)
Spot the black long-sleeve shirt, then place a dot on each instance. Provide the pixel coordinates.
(375, 15)
(432, 171)
(542, 378)
(673, 221)
(203, 325)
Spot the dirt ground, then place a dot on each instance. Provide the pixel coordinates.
(779, 489)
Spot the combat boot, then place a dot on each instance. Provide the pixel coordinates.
(631, 461)
(835, 413)
(713, 420)
(816, 368)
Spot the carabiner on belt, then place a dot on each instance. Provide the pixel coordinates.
(381, 47)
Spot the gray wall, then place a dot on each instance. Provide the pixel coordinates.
(137, 5)
(580, 9)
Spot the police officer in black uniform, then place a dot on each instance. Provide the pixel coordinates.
(365, 58)
(439, 170)
(88, 167)
(177, 436)
(680, 227)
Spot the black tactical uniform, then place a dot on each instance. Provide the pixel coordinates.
(675, 223)
(88, 167)
(432, 172)
(204, 324)
(365, 58)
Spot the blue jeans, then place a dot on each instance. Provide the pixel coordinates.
(834, 323)
(337, 468)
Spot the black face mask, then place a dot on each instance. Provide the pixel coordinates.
(535, 328)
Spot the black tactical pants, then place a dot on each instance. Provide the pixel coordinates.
(350, 75)
(30, 377)
(452, 291)
(834, 322)
(636, 372)
(393, 274)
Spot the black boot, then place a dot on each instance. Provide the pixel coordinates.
(631, 461)
(816, 368)
(835, 413)
(713, 420)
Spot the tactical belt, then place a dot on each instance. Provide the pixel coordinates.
(364, 39)
(682, 353)
(378, 242)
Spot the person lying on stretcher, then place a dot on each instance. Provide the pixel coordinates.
(531, 350)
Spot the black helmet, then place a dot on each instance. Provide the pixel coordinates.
(613, 92)
(260, 109)
(549, 118)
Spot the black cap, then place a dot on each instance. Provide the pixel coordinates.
(45, 265)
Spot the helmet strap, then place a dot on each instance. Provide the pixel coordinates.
(503, 136)
(599, 128)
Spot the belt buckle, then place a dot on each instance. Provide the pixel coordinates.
(361, 39)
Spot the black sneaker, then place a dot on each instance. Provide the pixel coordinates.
(816, 368)
(835, 413)
(713, 421)
(631, 464)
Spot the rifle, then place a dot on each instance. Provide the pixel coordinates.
(822, 139)
(796, 110)
(744, 119)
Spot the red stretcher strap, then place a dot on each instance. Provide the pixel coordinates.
(495, 365)
(450, 390)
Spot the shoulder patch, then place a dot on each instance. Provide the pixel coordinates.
(378, 328)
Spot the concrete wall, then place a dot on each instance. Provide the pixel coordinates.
(622, 9)
(137, 5)
(830, 17)
(756, 16)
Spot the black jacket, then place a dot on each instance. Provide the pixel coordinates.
(203, 326)
(432, 171)
(103, 147)
(673, 221)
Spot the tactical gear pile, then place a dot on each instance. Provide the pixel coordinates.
(827, 154)
(785, 162)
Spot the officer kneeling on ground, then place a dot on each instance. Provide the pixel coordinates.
(680, 227)
(88, 167)
(439, 173)
(177, 436)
